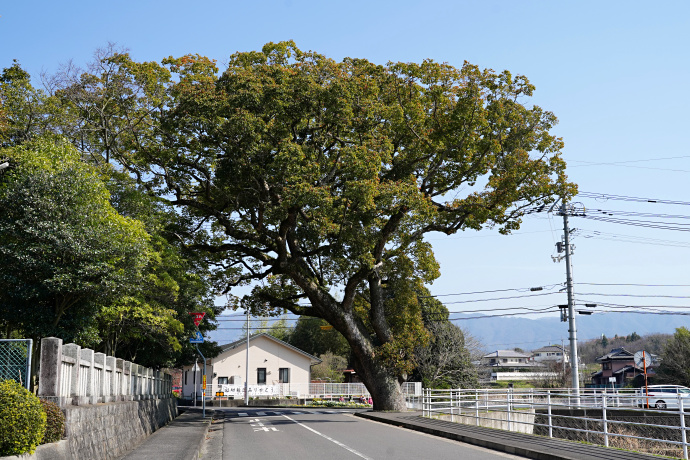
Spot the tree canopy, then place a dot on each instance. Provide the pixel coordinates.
(63, 244)
(675, 359)
(317, 181)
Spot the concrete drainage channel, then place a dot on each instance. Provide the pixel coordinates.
(212, 448)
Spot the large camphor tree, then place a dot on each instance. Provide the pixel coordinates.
(316, 182)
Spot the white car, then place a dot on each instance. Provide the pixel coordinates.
(665, 396)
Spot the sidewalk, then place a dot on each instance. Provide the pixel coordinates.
(529, 446)
(181, 439)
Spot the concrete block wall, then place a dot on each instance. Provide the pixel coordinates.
(106, 431)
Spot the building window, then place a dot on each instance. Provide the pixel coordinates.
(284, 375)
(261, 376)
(606, 366)
(222, 380)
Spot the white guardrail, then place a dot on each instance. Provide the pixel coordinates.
(612, 418)
(305, 390)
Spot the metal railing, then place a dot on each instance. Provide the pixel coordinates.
(306, 390)
(610, 418)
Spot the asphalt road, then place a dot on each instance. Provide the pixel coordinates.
(317, 434)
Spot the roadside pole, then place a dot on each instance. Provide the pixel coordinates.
(246, 378)
(203, 385)
(197, 339)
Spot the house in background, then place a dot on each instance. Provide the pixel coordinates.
(513, 366)
(550, 354)
(276, 368)
(508, 360)
(618, 365)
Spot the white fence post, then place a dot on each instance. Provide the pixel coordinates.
(548, 405)
(452, 413)
(683, 434)
(603, 417)
(476, 406)
(509, 400)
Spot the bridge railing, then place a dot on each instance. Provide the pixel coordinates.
(612, 418)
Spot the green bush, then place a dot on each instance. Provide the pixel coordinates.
(22, 420)
(55, 422)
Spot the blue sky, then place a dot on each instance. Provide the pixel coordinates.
(615, 73)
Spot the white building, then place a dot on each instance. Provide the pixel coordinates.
(275, 369)
(550, 354)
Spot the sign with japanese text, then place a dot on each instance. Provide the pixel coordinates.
(252, 390)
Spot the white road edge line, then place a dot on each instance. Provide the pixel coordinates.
(329, 438)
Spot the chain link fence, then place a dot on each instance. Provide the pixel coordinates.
(15, 360)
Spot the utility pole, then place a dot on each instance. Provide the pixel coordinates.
(203, 384)
(572, 329)
(246, 377)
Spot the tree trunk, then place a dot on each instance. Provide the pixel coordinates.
(385, 388)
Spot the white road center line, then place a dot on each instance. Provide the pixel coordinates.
(329, 438)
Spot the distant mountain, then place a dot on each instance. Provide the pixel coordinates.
(528, 334)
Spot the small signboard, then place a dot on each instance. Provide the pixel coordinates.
(198, 317)
(197, 338)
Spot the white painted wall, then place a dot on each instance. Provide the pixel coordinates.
(264, 352)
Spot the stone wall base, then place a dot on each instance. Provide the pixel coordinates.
(106, 431)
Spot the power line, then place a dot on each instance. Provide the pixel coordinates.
(524, 289)
(630, 161)
(635, 284)
(501, 298)
(607, 196)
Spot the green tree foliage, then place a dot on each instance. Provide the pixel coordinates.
(330, 369)
(25, 112)
(317, 337)
(22, 419)
(147, 320)
(150, 324)
(55, 422)
(445, 362)
(590, 350)
(63, 246)
(634, 337)
(675, 359)
(109, 108)
(320, 179)
(604, 341)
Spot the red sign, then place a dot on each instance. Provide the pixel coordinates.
(198, 317)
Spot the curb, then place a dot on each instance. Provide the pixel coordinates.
(501, 447)
(207, 422)
(558, 450)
